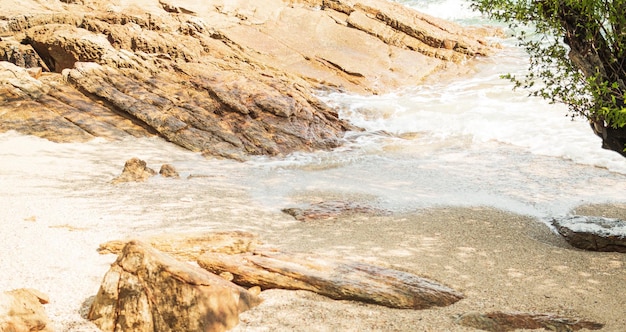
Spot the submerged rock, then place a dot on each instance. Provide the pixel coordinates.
(331, 210)
(227, 79)
(593, 233)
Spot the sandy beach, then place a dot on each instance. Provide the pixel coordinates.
(57, 209)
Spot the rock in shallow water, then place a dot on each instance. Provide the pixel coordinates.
(593, 233)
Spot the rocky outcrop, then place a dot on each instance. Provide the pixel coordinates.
(222, 78)
(146, 290)
(593, 233)
(512, 321)
(21, 310)
(135, 170)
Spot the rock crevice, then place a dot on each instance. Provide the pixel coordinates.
(222, 79)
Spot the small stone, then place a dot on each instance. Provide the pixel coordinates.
(255, 290)
(168, 171)
(135, 170)
(509, 321)
(593, 233)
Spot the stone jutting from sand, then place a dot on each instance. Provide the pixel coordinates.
(593, 233)
(510, 321)
(21, 310)
(135, 170)
(146, 290)
(219, 78)
(331, 210)
(236, 257)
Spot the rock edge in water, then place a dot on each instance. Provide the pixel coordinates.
(229, 81)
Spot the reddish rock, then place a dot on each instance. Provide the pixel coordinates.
(511, 321)
(332, 210)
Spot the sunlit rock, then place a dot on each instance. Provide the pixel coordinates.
(190, 245)
(227, 79)
(146, 290)
(21, 310)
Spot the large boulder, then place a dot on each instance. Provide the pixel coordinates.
(146, 290)
(593, 233)
(21, 310)
(339, 279)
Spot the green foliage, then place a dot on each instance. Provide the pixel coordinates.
(577, 53)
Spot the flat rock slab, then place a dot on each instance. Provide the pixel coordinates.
(336, 279)
(331, 210)
(509, 321)
(593, 233)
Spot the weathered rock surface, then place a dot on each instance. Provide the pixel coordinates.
(331, 209)
(169, 171)
(593, 233)
(337, 279)
(189, 246)
(510, 321)
(21, 310)
(146, 290)
(135, 170)
(223, 78)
